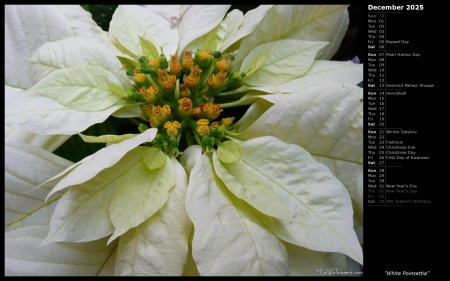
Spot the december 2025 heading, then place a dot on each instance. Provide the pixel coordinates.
(407, 7)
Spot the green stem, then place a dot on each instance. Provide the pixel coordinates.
(189, 138)
(160, 90)
(177, 90)
(197, 138)
(234, 139)
(239, 90)
(211, 69)
(135, 122)
(233, 104)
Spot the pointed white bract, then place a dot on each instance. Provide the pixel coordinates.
(104, 158)
(23, 257)
(325, 121)
(25, 167)
(139, 198)
(158, 246)
(299, 22)
(225, 228)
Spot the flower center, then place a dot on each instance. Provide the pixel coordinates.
(178, 97)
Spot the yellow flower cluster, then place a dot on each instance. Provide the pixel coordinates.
(178, 96)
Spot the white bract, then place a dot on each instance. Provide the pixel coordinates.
(276, 193)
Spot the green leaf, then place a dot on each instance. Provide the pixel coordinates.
(90, 166)
(131, 111)
(23, 257)
(128, 63)
(141, 197)
(154, 158)
(321, 73)
(42, 115)
(320, 208)
(77, 51)
(229, 152)
(82, 213)
(229, 240)
(84, 88)
(148, 49)
(159, 245)
(25, 167)
(256, 59)
(107, 138)
(75, 148)
(279, 61)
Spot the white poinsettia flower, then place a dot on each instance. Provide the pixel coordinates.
(194, 193)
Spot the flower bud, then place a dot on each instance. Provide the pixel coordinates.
(216, 82)
(172, 128)
(203, 122)
(197, 56)
(142, 127)
(193, 80)
(227, 121)
(202, 127)
(148, 69)
(217, 54)
(235, 78)
(140, 80)
(222, 65)
(211, 111)
(187, 62)
(204, 59)
(155, 64)
(158, 115)
(184, 92)
(175, 67)
(143, 59)
(166, 81)
(214, 125)
(185, 107)
(150, 94)
(197, 112)
(163, 61)
(133, 95)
